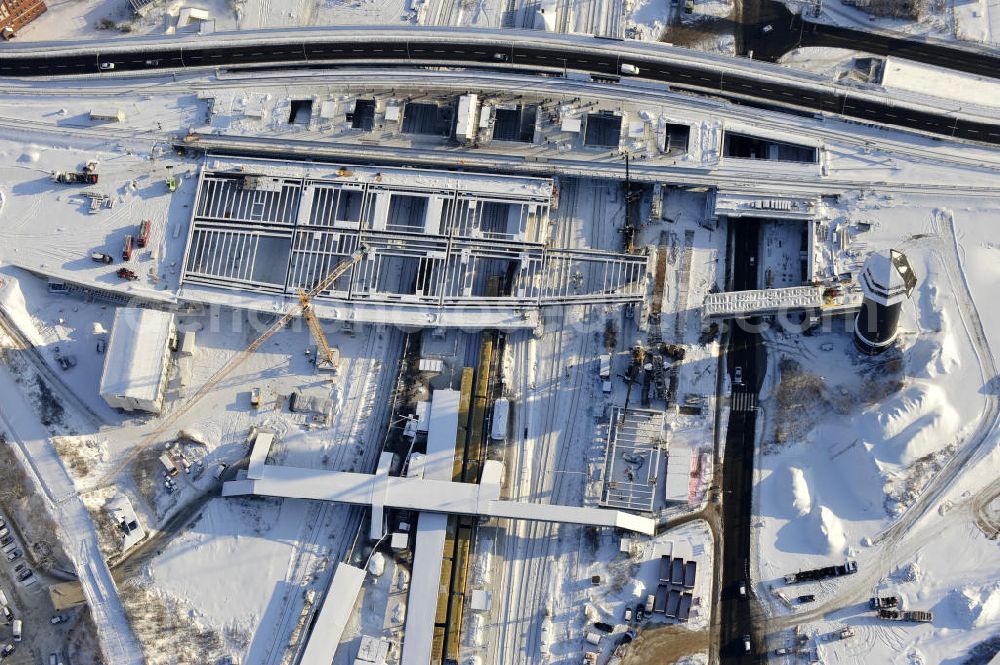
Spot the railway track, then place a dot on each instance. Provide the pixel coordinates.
(311, 548)
(530, 552)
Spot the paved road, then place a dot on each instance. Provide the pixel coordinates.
(746, 353)
(789, 31)
(488, 50)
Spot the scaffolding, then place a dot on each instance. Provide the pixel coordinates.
(632, 462)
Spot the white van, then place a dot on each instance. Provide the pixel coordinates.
(17, 630)
(3, 598)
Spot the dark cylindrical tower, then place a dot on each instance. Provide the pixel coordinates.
(886, 280)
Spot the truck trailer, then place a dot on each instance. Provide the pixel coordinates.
(816, 574)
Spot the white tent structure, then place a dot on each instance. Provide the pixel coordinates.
(138, 355)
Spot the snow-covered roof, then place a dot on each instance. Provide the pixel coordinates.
(424, 495)
(422, 600)
(258, 454)
(678, 474)
(121, 511)
(136, 353)
(887, 276)
(440, 460)
(333, 615)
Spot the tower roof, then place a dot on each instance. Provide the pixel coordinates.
(887, 277)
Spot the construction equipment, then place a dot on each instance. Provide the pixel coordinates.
(220, 374)
(631, 377)
(171, 181)
(142, 239)
(327, 357)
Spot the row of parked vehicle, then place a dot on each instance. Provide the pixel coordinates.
(12, 551)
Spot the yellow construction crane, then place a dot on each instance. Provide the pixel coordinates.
(167, 421)
(327, 358)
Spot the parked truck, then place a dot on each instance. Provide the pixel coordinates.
(127, 246)
(878, 603)
(73, 178)
(142, 239)
(605, 372)
(915, 616)
(918, 616)
(816, 574)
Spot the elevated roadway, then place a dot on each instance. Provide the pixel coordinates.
(732, 78)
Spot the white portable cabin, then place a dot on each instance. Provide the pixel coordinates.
(501, 413)
(468, 117)
(137, 358)
(107, 114)
(678, 480)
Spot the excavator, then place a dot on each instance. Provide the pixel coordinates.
(303, 306)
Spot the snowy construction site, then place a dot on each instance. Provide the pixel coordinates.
(527, 359)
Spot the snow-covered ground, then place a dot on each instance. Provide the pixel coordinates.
(649, 18)
(869, 442)
(852, 444)
(24, 427)
(111, 19)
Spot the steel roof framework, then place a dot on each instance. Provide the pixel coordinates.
(427, 246)
(632, 462)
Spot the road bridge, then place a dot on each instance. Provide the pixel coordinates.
(736, 79)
